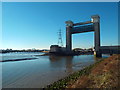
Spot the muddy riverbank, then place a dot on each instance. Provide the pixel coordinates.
(103, 74)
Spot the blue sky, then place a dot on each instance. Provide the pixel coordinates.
(35, 24)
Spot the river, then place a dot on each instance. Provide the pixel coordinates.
(39, 72)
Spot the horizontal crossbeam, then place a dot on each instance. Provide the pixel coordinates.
(82, 29)
(82, 23)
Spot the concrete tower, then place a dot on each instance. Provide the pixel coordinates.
(96, 26)
(83, 27)
(68, 36)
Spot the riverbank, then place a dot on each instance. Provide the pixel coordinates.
(63, 54)
(103, 74)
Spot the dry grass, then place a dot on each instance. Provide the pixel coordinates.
(105, 75)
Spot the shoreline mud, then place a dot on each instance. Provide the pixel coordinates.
(103, 74)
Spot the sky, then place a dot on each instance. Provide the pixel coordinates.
(60, 0)
(27, 25)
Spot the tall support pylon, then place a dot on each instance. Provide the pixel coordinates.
(69, 26)
(96, 24)
(60, 43)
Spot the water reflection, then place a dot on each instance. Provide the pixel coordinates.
(99, 58)
(69, 64)
(42, 71)
(54, 58)
(62, 61)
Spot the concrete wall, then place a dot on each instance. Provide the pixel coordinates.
(110, 49)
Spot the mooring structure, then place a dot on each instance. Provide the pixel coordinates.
(82, 27)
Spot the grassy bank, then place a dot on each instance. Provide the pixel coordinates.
(91, 76)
